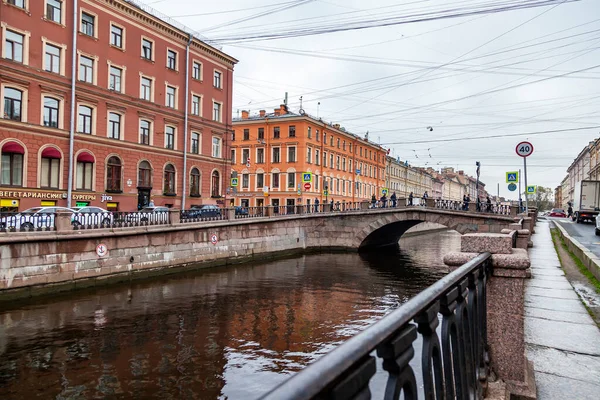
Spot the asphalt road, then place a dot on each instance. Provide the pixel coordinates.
(584, 233)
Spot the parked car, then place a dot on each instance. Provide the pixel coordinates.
(239, 210)
(203, 212)
(597, 230)
(149, 214)
(94, 216)
(32, 218)
(557, 212)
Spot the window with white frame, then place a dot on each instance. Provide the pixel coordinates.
(276, 155)
(195, 182)
(88, 23)
(195, 143)
(309, 155)
(216, 147)
(17, 3)
(216, 111)
(260, 180)
(13, 46)
(317, 157)
(13, 104)
(114, 125)
(84, 119)
(172, 59)
(171, 94)
(54, 10)
(114, 82)
(291, 179)
(50, 172)
(233, 156)
(51, 110)
(52, 58)
(145, 127)
(147, 49)
(292, 154)
(260, 156)
(245, 155)
(146, 88)
(170, 137)
(245, 181)
(85, 173)
(275, 179)
(196, 70)
(217, 80)
(86, 69)
(116, 36)
(195, 105)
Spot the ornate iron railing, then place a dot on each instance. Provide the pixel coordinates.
(201, 215)
(455, 367)
(27, 222)
(139, 218)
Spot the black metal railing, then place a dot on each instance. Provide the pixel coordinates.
(249, 212)
(27, 222)
(92, 220)
(454, 366)
(122, 219)
(200, 215)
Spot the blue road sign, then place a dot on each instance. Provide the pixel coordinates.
(512, 187)
(357, 171)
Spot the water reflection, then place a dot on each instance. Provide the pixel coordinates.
(231, 332)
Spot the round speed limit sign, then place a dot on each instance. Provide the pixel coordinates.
(524, 149)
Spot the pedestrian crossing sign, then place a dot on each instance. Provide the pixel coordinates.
(512, 177)
(234, 182)
(306, 177)
(384, 191)
(530, 189)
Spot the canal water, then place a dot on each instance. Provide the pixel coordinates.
(228, 333)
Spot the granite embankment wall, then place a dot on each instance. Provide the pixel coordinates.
(589, 259)
(39, 262)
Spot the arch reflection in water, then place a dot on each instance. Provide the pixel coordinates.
(232, 332)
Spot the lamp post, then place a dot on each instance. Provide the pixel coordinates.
(478, 164)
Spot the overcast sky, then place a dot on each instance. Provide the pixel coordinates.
(529, 71)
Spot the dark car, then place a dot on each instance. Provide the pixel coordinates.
(203, 212)
(241, 210)
(557, 212)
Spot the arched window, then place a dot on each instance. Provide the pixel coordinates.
(51, 106)
(215, 184)
(113, 174)
(85, 171)
(13, 102)
(50, 173)
(169, 179)
(11, 167)
(195, 183)
(145, 175)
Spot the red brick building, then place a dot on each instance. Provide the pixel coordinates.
(136, 81)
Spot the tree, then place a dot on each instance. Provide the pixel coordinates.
(544, 198)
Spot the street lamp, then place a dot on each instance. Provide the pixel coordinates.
(478, 164)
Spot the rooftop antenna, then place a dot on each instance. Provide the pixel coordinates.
(318, 104)
(238, 113)
(367, 135)
(301, 111)
(286, 99)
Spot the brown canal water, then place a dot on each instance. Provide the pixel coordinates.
(226, 333)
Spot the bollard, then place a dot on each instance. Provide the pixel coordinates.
(174, 216)
(62, 221)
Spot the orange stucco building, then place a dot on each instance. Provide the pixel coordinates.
(272, 152)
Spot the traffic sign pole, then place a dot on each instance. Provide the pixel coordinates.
(525, 171)
(524, 149)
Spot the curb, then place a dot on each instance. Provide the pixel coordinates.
(589, 259)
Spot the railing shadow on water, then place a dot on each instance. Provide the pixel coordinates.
(454, 363)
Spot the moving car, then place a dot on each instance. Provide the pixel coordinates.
(241, 210)
(557, 212)
(150, 214)
(91, 216)
(597, 230)
(36, 218)
(206, 211)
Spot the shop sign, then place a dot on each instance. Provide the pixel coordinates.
(105, 197)
(32, 195)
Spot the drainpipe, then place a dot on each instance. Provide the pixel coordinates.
(73, 108)
(185, 121)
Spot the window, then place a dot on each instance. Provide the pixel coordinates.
(196, 70)
(331, 140)
(291, 178)
(245, 155)
(144, 132)
(344, 164)
(331, 160)
(275, 180)
(216, 147)
(114, 125)
(309, 155)
(309, 132)
(17, 3)
(292, 131)
(171, 59)
(261, 133)
(195, 182)
(338, 143)
(260, 180)
(85, 171)
(260, 156)
(52, 58)
(13, 46)
(276, 133)
(51, 112)
(233, 156)
(116, 36)
(344, 145)
(195, 105)
(276, 155)
(324, 138)
(292, 154)
(13, 103)
(114, 82)
(147, 46)
(54, 10)
(170, 137)
(216, 111)
(87, 24)
(217, 80)
(146, 89)
(50, 168)
(215, 184)
(350, 147)
(169, 179)
(195, 143)
(171, 96)
(113, 174)
(246, 134)
(84, 120)
(316, 182)
(12, 165)
(317, 157)
(324, 158)
(86, 69)
(337, 162)
(245, 181)
(317, 136)
(145, 175)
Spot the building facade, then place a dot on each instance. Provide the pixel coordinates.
(579, 170)
(283, 158)
(114, 111)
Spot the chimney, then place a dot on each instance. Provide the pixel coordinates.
(336, 126)
(283, 109)
(245, 114)
(277, 111)
(461, 172)
(262, 113)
